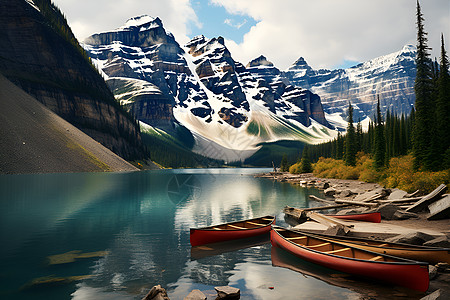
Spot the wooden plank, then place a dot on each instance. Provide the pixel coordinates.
(253, 223)
(325, 207)
(237, 227)
(356, 203)
(428, 199)
(329, 221)
(337, 251)
(312, 197)
(300, 213)
(376, 258)
(297, 238)
(412, 194)
(440, 209)
(403, 200)
(319, 245)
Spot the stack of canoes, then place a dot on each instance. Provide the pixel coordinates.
(395, 263)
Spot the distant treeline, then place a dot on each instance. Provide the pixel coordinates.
(396, 130)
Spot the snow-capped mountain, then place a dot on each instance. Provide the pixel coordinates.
(391, 77)
(228, 108)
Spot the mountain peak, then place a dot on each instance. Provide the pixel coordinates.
(300, 62)
(140, 21)
(259, 61)
(409, 48)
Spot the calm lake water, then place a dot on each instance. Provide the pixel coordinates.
(114, 236)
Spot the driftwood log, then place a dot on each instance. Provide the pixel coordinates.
(428, 199)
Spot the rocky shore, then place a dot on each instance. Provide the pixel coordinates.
(395, 207)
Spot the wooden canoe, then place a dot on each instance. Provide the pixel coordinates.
(300, 214)
(374, 217)
(231, 231)
(352, 260)
(428, 254)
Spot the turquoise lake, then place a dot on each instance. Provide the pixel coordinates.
(115, 235)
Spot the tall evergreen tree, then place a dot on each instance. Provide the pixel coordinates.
(284, 165)
(423, 88)
(443, 105)
(305, 163)
(380, 142)
(359, 136)
(339, 146)
(350, 140)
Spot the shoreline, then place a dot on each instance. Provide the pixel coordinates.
(347, 189)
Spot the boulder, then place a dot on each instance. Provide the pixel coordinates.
(387, 211)
(195, 295)
(441, 241)
(335, 230)
(403, 215)
(437, 295)
(393, 212)
(432, 272)
(381, 192)
(227, 292)
(397, 194)
(414, 238)
(440, 209)
(443, 267)
(156, 293)
(346, 193)
(330, 192)
(322, 185)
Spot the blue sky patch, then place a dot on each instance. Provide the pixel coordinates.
(218, 22)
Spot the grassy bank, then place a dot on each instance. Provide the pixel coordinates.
(400, 173)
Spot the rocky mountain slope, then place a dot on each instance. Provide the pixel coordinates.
(391, 77)
(39, 53)
(230, 109)
(36, 140)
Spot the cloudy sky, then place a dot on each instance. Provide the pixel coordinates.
(327, 33)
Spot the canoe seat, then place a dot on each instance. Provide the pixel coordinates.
(379, 257)
(383, 245)
(297, 238)
(338, 251)
(237, 227)
(258, 224)
(266, 219)
(319, 245)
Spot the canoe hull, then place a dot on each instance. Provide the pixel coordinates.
(368, 217)
(431, 255)
(410, 275)
(201, 236)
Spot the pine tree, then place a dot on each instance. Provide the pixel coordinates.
(359, 136)
(305, 163)
(443, 106)
(380, 142)
(284, 166)
(350, 140)
(339, 146)
(423, 88)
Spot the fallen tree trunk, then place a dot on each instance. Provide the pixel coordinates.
(428, 199)
(349, 202)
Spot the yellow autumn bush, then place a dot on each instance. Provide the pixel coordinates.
(400, 173)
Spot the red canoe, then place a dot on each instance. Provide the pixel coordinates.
(231, 231)
(352, 260)
(374, 217)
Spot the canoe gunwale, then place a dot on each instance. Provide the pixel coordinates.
(211, 228)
